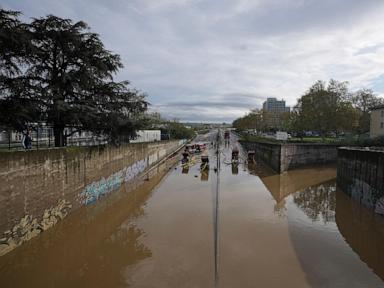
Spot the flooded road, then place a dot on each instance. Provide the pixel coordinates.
(242, 227)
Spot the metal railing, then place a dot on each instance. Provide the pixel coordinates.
(42, 138)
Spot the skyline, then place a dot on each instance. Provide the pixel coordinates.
(213, 61)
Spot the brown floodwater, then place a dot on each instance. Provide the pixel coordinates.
(242, 227)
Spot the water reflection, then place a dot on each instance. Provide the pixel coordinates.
(363, 230)
(282, 185)
(235, 168)
(204, 174)
(91, 248)
(318, 202)
(319, 216)
(185, 169)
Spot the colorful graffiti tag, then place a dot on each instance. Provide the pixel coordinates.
(98, 189)
(134, 170)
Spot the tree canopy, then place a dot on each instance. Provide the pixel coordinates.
(324, 107)
(363, 101)
(58, 72)
(255, 119)
(327, 108)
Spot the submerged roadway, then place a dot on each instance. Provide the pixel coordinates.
(230, 225)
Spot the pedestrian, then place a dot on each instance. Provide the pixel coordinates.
(23, 139)
(28, 140)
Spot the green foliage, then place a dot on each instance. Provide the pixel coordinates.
(60, 73)
(364, 100)
(257, 138)
(179, 131)
(253, 120)
(325, 109)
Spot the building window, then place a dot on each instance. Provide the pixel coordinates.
(381, 125)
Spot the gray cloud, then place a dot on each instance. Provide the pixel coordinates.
(215, 59)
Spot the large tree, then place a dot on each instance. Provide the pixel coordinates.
(326, 108)
(67, 75)
(15, 51)
(364, 100)
(255, 119)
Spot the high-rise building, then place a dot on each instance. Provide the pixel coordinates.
(274, 105)
(274, 109)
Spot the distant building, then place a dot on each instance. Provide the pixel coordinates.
(275, 106)
(377, 122)
(147, 136)
(274, 109)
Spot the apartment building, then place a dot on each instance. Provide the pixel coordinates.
(274, 108)
(377, 122)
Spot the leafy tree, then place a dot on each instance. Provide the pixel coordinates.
(65, 78)
(364, 100)
(14, 50)
(253, 120)
(178, 130)
(326, 108)
(14, 42)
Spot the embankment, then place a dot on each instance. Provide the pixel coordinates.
(282, 157)
(360, 174)
(39, 188)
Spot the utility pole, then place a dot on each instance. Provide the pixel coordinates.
(216, 211)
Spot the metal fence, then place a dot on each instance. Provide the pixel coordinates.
(42, 138)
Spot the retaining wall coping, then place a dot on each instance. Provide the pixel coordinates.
(291, 143)
(364, 149)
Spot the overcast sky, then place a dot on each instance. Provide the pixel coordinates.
(213, 60)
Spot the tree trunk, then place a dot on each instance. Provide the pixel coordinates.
(58, 132)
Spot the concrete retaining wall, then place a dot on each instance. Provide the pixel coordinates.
(360, 174)
(284, 156)
(265, 152)
(38, 188)
(299, 155)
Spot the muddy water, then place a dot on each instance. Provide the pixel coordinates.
(256, 229)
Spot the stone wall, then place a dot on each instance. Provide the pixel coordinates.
(299, 155)
(360, 174)
(41, 187)
(265, 152)
(282, 157)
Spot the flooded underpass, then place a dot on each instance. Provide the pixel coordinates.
(231, 225)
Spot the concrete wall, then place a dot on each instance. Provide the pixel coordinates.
(299, 155)
(38, 188)
(377, 123)
(265, 152)
(283, 157)
(360, 174)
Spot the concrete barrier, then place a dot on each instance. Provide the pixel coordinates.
(360, 174)
(282, 157)
(39, 188)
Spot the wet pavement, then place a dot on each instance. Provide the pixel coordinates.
(242, 227)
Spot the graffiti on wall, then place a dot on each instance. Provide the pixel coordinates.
(152, 159)
(98, 189)
(135, 169)
(29, 227)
